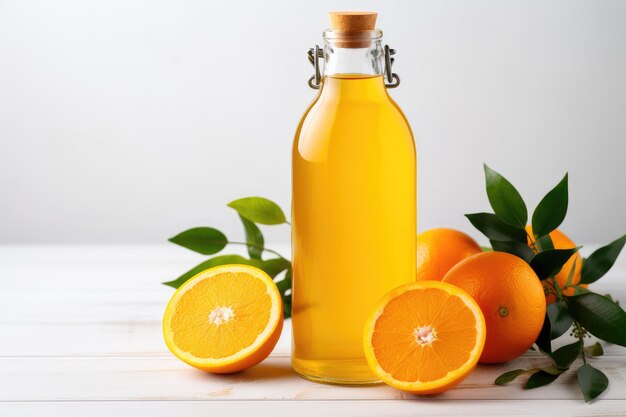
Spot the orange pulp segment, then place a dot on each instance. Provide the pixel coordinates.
(224, 319)
(424, 337)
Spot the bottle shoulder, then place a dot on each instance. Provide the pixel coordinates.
(375, 117)
(330, 126)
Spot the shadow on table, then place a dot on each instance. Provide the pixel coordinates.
(261, 372)
(267, 371)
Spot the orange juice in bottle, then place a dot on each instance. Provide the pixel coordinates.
(354, 202)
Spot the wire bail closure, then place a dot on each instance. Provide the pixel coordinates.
(315, 82)
(392, 80)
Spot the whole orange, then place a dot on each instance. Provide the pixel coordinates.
(440, 249)
(561, 241)
(511, 298)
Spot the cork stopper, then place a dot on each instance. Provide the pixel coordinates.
(352, 21)
(352, 28)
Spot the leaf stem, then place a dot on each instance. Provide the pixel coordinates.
(533, 243)
(252, 245)
(286, 222)
(558, 291)
(581, 336)
(570, 275)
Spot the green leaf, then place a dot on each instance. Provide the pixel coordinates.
(592, 382)
(505, 200)
(560, 320)
(548, 263)
(594, 350)
(551, 210)
(539, 379)
(285, 283)
(218, 260)
(553, 370)
(519, 249)
(570, 275)
(254, 238)
(274, 266)
(284, 286)
(509, 376)
(204, 240)
(610, 297)
(486, 249)
(259, 210)
(544, 341)
(544, 243)
(600, 316)
(578, 290)
(596, 265)
(564, 356)
(491, 226)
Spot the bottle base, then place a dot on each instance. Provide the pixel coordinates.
(336, 372)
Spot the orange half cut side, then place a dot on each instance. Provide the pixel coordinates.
(424, 337)
(224, 319)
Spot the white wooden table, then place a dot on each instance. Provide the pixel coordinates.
(80, 334)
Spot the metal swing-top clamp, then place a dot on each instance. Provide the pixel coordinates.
(392, 80)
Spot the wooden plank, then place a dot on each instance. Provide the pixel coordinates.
(131, 337)
(303, 408)
(46, 267)
(114, 323)
(92, 305)
(165, 378)
(77, 277)
(142, 253)
(101, 253)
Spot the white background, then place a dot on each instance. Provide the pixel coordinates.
(128, 121)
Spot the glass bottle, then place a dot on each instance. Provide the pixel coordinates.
(353, 207)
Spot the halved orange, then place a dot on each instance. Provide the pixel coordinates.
(424, 337)
(224, 319)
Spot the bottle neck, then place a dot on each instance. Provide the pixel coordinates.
(353, 88)
(351, 54)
